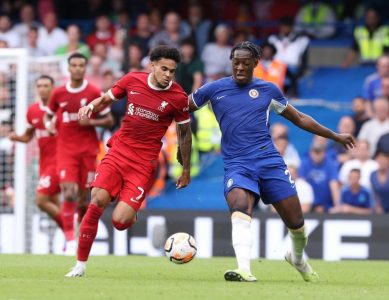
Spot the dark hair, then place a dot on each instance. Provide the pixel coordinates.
(249, 46)
(164, 51)
(44, 76)
(33, 28)
(77, 55)
(355, 170)
(271, 46)
(287, 21)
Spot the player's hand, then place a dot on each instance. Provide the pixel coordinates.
(347, 140)
(12, 136)
(179, 157)
(85, 112)
(50, 127)
(85, 122)
(183, 180)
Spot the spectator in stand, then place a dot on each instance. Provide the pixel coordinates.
(373, 129)
(189, 73)
(322, 173)
(380, 182)
(372, 87)
(27, 19)
(200, 28)
(360, 113)
(361, 161)
(278, 130)
(135, 58)
(104, 33)
(32, 43)
(281, 143)
(74, 43)
(370, 40)
(172, 34)
(317, 19)
(216, 55)
(101, 49)
(304, 189)
(269, 68)
(354, 198)
(292, 49)
(143, 33)
(345, 125)
(385, 87)
(7, 34)
(51, 37)
(116, 51)
(94, 73)
(155, 20)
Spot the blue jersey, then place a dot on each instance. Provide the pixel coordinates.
(251, 161)
(243, 116)
(362, 198)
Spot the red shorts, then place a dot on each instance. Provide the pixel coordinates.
(129, 183)
(77, 168)
(48, 182)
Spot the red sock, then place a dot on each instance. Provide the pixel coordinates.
(68, 210)
(88, 231)
(81, 210)
(58, 220)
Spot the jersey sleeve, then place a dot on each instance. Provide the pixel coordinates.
(52, 107)
(119, 90)
(29, 118)
(278, 102)
(202, 95)
(181, 114)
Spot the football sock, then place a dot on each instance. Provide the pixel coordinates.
(299, 241)
(242, 239)
(88, 231)
(81, 210)
(68, 210)
(58, 220)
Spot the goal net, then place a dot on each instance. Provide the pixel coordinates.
(21, 223)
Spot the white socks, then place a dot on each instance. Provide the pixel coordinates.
(81, 264)
(299, 241)
(242, 239)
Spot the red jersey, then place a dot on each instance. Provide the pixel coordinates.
(66, 101)
(47, 143)
(150, 110)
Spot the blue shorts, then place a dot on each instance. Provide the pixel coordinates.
(268, 178)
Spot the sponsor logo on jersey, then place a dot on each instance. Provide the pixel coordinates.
(141, 112)
(163, 106)
(230, 182)
(130, 109)
(44, 182)
(253, 93)
(63, 104)
(62, 173)
(35, 121)
(68, 117)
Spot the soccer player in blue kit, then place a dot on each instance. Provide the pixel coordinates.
(253, 167)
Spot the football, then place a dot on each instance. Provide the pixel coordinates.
(180, 248)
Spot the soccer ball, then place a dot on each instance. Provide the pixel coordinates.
(180, 248)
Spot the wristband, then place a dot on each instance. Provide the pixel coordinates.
(91, 106)
(47, 124)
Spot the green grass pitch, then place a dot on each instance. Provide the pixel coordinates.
(139, 277)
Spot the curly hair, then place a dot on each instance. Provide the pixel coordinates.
(249, 46)
(167, 52)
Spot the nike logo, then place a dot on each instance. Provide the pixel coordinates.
(34, 121)
(134, 93)
(63, 104)
(220, 97)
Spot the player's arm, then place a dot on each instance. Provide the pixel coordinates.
(192, 105)
(23, 138)
(184, 136)
(309, 124)
(95, 106)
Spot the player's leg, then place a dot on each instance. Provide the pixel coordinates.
(70, 196)
(82, 206)
(290, 212)
(123, 216)
(241, 203)
(51, 206)
(88, 229)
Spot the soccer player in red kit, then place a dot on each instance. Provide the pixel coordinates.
(48, 189)
(127, 170)
(77, 144)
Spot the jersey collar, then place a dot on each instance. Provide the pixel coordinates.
(154, 87)
(76, 90)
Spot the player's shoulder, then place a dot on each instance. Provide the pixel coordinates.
(137, 75)
(93, 88)
(33, 108)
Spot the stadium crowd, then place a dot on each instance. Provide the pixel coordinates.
(116, 37)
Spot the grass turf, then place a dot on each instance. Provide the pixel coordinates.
(138, 277)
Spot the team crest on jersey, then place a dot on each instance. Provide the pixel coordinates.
(163, 106)
(230, 182)
(253, 93)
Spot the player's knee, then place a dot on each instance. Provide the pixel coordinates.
(238, 201)
(39, 202)
(295, 223)
(121, 226)
(100, 198)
